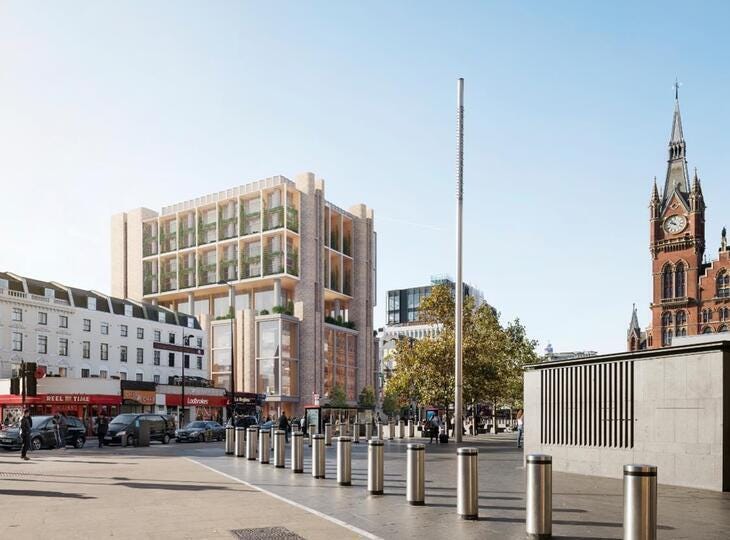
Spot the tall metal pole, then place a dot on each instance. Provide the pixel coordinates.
(459, 287)
(181, 421)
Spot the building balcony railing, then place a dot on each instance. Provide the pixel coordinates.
(292, 262)
(187, 277)
(250, 266)
(274, 218)
(150, 284)
(228, 269)
(206, 274)
(675, 302)
(187, 237)
(273, 263)
(204, 232)
(227, 227)
(36, 297)
(292, 219)
(250, 222)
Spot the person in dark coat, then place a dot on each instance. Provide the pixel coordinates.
(284, 424)
(101, 428)
(26, 423)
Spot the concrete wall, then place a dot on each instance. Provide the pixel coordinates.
(681, 399)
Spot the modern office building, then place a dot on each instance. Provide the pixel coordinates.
(275, 265)
(691, 294)
(86, 336)
(551, 355)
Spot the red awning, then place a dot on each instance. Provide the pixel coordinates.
(65, 399)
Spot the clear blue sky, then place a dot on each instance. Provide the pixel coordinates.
(106, 106)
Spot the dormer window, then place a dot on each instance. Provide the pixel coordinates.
(91, 304)
(128, 310)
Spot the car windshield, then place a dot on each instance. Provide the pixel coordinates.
(124, 419)
(38, 421)
(195, 425)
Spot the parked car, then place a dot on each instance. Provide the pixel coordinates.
(43, 434)
(124, 428)
(245, 421)
(201, 431)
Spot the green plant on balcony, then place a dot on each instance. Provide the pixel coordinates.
(148, 241)
(225, 265)
(339, 322)
(273, 263)
(204, 271)
(183, 233)
(229, 315)
(292, 262)
(285, 310)
(292, 219)
(203, 229)
(149, 279)
(184, 274)
(346, 245)
(249, 222)
(264, 312)
(249, 263)
(223, 223)
(274, 218)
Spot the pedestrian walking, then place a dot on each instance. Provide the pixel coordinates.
(102, 426)
(26, 423)
(57, 431)
(284, 424)
(433, 429)
(520, 427)
(62, 428)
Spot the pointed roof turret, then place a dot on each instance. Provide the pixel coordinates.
(677, 180)
(634, 324)
(654, 192)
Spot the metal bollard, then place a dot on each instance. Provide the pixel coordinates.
(251, 443)
(416, 474)
(356, 433)
(264, 446)
(467, 477)
(279, 449)
(230, 442)
(411, 431)
(640, 503)
(328, 434)
(375, 466)
(344, 460)
(391, 430)
(297, 452)
(240, 442)
(312, 430)
(539, 496)
(368, 431)
(379, 431)
(318, 455)
(401, 429)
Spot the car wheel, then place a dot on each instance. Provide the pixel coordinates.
(36, 443)
(165, 439)
(201, 438)
(79, 442)
(177, 439)
(130, 440)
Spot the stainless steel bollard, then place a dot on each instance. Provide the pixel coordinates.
(240, 442)
(539, 496)
(467, 477)
(312, 430)
(411, 431)
(375, 466)
(391, 430)
(379, 431)
(356, 433)
(251, 443)
(297, 452)
(230, 442)
(368, 431)
(416, 474)
(640, 502)
(401, 429)
(344, 460)
(279, 448)
(264, 446)
(328, 434)
(318, 456)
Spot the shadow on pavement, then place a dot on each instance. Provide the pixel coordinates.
(171, 487)
(38, 493)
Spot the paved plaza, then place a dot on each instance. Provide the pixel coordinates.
(171, 492)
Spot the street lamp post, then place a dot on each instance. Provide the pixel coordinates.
(186, 343)
(459, 233)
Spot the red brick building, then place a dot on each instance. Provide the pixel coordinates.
(691, 294)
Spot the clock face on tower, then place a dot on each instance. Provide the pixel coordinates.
(675, 224)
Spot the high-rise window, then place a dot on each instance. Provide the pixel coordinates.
(91, 303)
(186, 360)
(680, 320)
(124, 330)
(105, 328)
(171, 337)
(200, 362)
(87, 325)
(63, 321)
(104, 350)
(723, 284)
(140, 333)
(86, 349)
(63, 347)
(123, 353)
(171, 359)
(157, 337)
(679, 281)
(17, 314)
(139, 376)
(156, 379)
(199, 342)
(42, 344)
(17, 341)
(84, 373)
(122, 375)
(102, 374)
(667, 285)
(140, 355)
(128, 310)
(667, 328)
(156, 358)
(42, 318)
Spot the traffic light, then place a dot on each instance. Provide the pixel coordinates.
(31, 386)
(15, 386)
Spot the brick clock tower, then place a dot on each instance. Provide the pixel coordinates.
(691, 296)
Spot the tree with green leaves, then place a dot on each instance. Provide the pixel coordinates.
(493, 356)
(366, 399)
(338, 398)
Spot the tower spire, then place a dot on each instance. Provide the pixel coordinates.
(677, 180)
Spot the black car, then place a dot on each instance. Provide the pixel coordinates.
(124, 429)
(43, 434)
(201, 431)
(244, 421)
